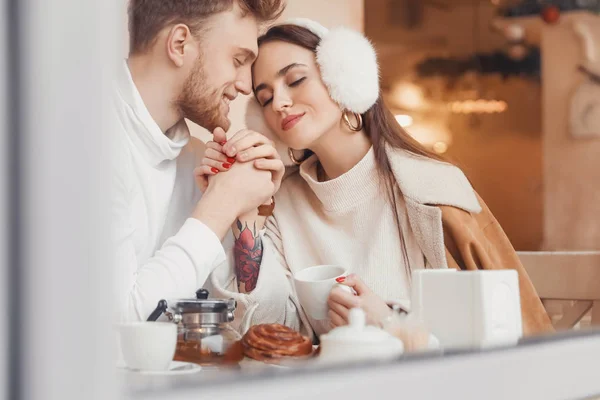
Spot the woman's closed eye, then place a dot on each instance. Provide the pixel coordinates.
(266, 102)
(293, 84)
(297, 82)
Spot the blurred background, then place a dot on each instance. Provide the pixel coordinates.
(492, 85)
(508, 90)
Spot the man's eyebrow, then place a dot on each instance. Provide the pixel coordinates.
(250, 55)
(281, 72)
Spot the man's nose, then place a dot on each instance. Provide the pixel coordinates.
(244, 82)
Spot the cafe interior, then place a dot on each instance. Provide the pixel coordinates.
(508, 90)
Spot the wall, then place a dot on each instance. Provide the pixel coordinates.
(543, 186)
(329, 13)
(571, 167)
(501, 154)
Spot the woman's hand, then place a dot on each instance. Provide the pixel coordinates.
(341, 302)
(244, 146)
(412, 332)
(214, 160)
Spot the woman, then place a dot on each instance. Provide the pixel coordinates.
(366, 195)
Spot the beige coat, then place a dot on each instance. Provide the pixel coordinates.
(456, 229)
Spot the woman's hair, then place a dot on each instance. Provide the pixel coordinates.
(379, 124)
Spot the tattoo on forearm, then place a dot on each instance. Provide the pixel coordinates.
(248, 256)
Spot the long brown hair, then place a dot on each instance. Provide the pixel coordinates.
(380, 125)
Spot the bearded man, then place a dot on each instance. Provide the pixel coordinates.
(188, 59)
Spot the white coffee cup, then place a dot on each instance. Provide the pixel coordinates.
(313, 286)
(148, 346)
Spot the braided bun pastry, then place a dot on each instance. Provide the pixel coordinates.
(272, 342)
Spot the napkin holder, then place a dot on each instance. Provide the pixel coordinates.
(469, 309)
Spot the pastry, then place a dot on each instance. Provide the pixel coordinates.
(271, 343)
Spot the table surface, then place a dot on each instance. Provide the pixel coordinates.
(137, 385)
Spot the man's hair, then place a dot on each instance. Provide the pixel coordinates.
(148, 17)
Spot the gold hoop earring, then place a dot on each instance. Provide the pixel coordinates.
(359, 121)
(293, 158)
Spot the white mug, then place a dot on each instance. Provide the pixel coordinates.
(148, 346)
(313, 286)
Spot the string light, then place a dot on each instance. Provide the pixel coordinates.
(404, 120)
(480, 106)
(440, 147)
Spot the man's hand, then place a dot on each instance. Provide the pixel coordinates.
(244, 146)
(230, 195)
(244, 187)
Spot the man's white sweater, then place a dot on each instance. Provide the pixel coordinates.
(162, 253)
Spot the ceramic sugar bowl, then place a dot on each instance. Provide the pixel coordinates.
(358, 342)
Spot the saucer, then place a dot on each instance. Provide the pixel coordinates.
(176, 368)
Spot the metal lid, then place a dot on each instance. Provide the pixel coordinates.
(196, 311)
(201, 304)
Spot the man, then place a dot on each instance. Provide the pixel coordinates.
(188, 59)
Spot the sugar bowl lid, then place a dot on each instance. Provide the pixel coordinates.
(357, 330)
(358, 341)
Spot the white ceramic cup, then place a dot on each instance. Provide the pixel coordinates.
(313, 286)
(148, 346)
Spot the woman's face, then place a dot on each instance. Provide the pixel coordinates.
(295, 101)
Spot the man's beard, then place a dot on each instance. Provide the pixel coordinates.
(200, 103)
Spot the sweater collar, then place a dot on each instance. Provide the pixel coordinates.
(346, 191)
(422, 180)
(145, 133)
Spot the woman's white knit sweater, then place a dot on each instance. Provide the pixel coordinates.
(347, 221)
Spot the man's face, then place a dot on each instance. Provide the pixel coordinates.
(227, 50)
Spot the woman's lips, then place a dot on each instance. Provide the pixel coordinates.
(290, 121)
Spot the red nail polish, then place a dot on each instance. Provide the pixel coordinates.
(340, 279)
(226, 165)
(214, 170)
(230, 160)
